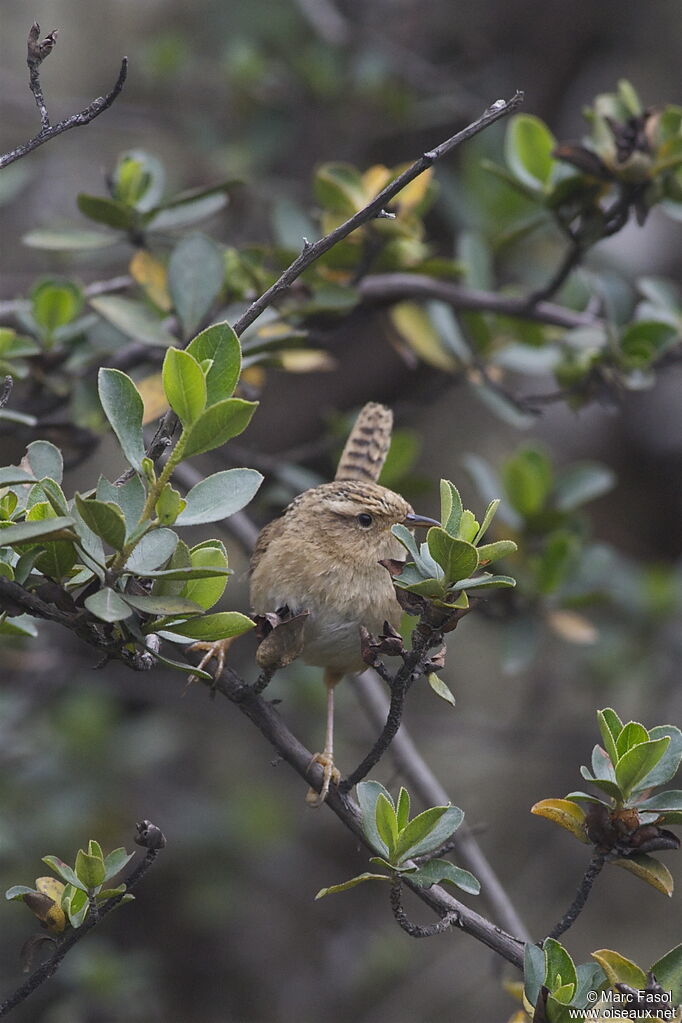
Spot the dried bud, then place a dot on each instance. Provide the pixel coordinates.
(282, 637)
(389, 642)
(436, 662)
(650, 838)
(149, 836)
(392, 566)
(411, 603)
(584, 159)
(39, 50)
(599, 826)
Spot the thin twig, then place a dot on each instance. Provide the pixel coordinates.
(417, 930)
(423, 640)
(312, 251)
(426, 787)
(265, 717)
(573, 912)
(6, 390)
(72, 937)
(36, 54)
(572, 258)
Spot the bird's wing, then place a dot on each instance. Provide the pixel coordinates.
(367, 446)
(262, 542)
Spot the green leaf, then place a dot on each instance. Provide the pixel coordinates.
(387, 824)
(335, 888)
(134, 319)
(105, 520)
(632, 734)
(122, 404)
(642, 342)
(368, 792)
(580, 483)
(67, 239)
(195, 279)
(17, 892)
(179, 214)
(558, 964)
(402, 810)
(152, 605)
(218, 424)
(648, 869)
(442, 871)
(407, 539)
(106, 211)
(75, 904)
(129, 497)
(184, 667)
(450, 507)
(668, 972)
(533, 971)
(494, 551)
(339, 188)
(55, 303)
(10, 475)
(184, 384)
(221, 625)
(138, 180)
(206, 592)
(428, 831)
(219, 496)
(63, 870)
(669, 763)
(457, 558)
(169, 505)
(620, 970)
(183, 574)
(487, 519)
(55, 495)
(557, 559)
(153, 550)
(528, 480)
(220, 344)
(602, 765)
(662, 801)
(440, 689)
(115, 862)
(89, 869)
(24, 532)
(610, 727)
(107, 605)
(528, 150)
(638, 761)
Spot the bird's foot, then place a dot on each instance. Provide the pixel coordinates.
(218, 650)
(330, 776)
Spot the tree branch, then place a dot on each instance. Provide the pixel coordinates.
(585, 887)
(72, 937)
(422, 782)
(416, 930)
(270, 724)
(312, 251)
(37, 52)
(393, 287)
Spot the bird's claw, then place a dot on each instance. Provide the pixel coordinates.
(330, 776)
(216, 649)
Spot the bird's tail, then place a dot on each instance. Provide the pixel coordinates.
(365, 452)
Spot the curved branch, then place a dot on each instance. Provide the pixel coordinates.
(584, 888)
(393, 287)
(36, 54)
(270, 724)
(52, 964)
(416, 930)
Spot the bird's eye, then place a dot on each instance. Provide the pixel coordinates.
(365, 520)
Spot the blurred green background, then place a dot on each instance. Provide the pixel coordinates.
(225, 929)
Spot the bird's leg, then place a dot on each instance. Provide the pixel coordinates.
(326, 758)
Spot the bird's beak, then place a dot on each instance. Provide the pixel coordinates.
(412, 520)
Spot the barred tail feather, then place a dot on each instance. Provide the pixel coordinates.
(365, 452)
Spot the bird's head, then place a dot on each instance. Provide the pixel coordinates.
(353, 518)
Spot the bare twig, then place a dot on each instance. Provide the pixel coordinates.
(416, 930)
(37, 52)
(425, 786)
(5, 390)
(311, 252)
(573, 912)
(265, 717)
(72, 937)
(398, 286)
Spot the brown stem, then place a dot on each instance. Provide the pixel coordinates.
(573, 912)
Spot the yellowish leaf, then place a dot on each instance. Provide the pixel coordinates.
(620, 970)
(51, 887)
(416, 330)
(254, 377)
(572, 627)
(151, 275)
(566, 814)
(412, 194)
(374, 179)
(306, 360)
(648, 869)
(153, 397)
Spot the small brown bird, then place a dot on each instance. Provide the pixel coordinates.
(322, 555)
